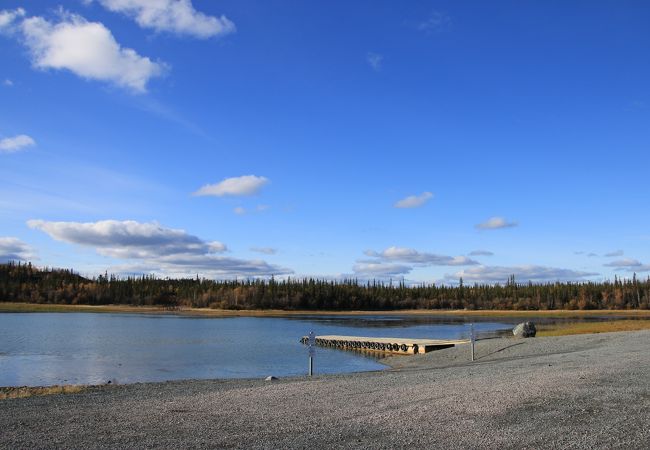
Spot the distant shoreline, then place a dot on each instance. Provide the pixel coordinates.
(618, 320)
(562, 313)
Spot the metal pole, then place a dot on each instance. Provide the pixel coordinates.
(472, 338)
(312, 343)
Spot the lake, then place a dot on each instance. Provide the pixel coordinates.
(40, 349)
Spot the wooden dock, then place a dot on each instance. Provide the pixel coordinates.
(401, 346)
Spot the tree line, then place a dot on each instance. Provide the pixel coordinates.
(23, 282)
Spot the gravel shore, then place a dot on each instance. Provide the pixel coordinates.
(586, 391)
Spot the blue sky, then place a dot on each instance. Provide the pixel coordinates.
(420, 140)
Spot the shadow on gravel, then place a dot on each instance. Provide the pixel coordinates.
(500, 350)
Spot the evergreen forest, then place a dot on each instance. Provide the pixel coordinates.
(23, 282)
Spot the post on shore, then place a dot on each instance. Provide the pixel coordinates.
(312, 343)
(472, 338)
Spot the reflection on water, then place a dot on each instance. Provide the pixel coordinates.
(86, 348)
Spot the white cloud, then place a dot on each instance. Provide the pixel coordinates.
(375, 60)
(236, 186)
(164, 250)
(8, 19)
(7, 82)
(16, 143)
(411, 255)
(174, 16)
(525, 273)
(265, 250)
(87, 49)
(380, 270)
(414, 201)
(13, 249)
(401, 260)
(128, 239)
(481, 253)
(614, 254)
(436, 22)
(629, 264)
(239, 210)
(494, 223)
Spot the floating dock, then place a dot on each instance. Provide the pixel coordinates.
(400, 346)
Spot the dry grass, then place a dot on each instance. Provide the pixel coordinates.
(26, 391)
(32, 307)
(609, 326)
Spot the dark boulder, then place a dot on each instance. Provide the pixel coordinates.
(525, 330)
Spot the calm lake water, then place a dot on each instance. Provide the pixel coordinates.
(39, 349)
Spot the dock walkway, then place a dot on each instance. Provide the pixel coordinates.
(403, 346)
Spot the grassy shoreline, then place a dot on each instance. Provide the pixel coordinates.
(609, 326)
(37, 307)
(31, 391)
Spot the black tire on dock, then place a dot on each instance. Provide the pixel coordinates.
(415, 349)
(403, 347)
(389, 347)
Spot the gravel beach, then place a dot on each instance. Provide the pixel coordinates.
(586, 391)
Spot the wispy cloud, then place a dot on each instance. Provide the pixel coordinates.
(481, 253)
(240, 210)
(525, 273)
(395, 261)
(172, 16)
(8, 19)
(161, 249)
(629, 264)
(495, 223)
(264, 250)
(87, 49)
(236, 186)
(151, 105)
(410, 255)
(375, 60)
(16, 143)
(7, 82)
(588, 255)
(13, 249)
(414, 201)
(380, 269)
(614, 254)
(437, 22)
